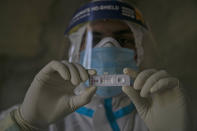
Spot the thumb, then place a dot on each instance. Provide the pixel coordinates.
(84, 97)
(133, 94)
(91, 72)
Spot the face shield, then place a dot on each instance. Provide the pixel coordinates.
(108, 38)
(103, 41)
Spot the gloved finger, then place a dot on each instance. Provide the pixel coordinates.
(151, 81)
(130, 72)
(82, 71)
(82, 99)
(57, 66)
(92, 72)
(142, 77)
(75, 76)
(133, 95)
(130, 91)
(164, 83)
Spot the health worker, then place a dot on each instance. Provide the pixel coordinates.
(107, 37)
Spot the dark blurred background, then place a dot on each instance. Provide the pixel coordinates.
(32, 34)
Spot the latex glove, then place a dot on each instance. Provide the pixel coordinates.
(50, 96)
(159, 100)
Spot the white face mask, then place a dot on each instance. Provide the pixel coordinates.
(108, 42)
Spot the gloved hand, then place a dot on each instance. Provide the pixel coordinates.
(159, 100)
(50, 96)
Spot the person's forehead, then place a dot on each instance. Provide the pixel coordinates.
(108, 26)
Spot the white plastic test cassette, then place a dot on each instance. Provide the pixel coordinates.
(110, 80)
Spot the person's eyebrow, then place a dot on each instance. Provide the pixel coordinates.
(121, 32)
(97, 33)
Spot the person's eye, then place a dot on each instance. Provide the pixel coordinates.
(125, 41)
(96, 40)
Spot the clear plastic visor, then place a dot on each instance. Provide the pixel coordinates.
(107, 46)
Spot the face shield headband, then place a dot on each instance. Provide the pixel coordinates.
(98, 10)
